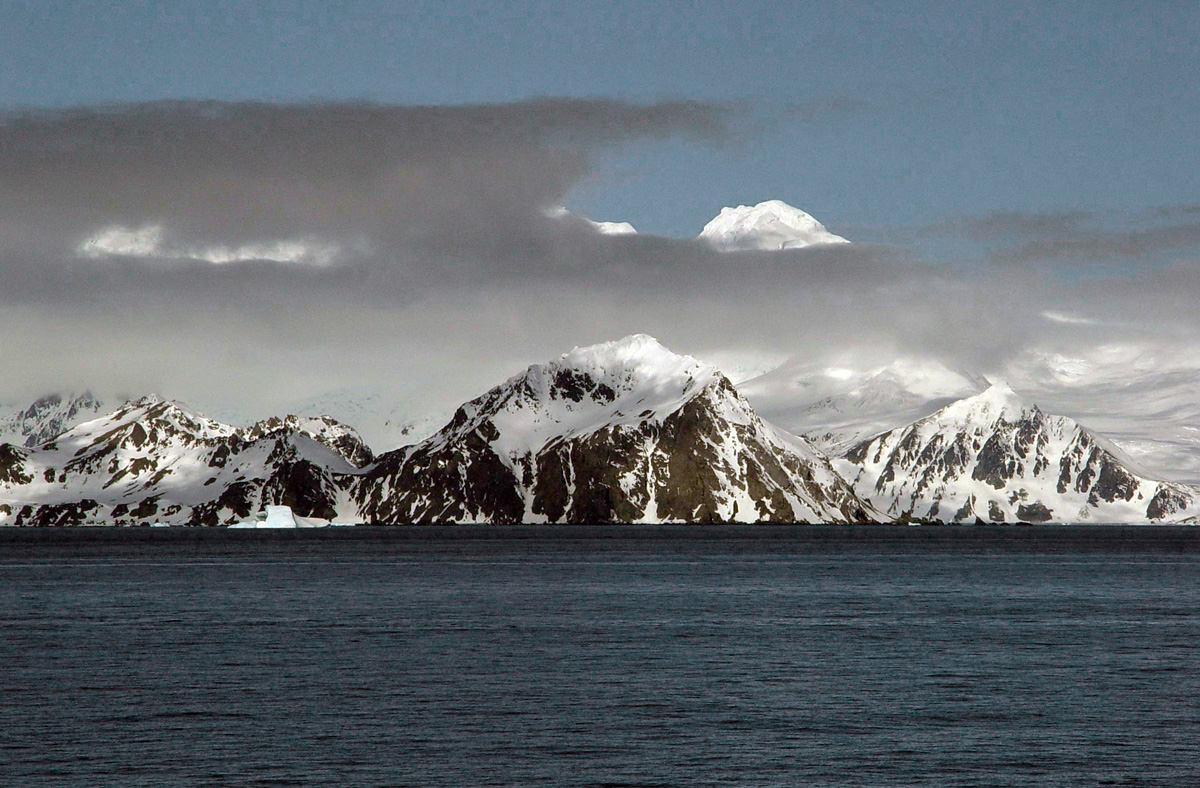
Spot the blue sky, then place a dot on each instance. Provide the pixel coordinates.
(877, 118)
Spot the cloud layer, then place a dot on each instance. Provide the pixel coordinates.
(255, 255)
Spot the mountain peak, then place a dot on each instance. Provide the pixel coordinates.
(638, 361)
(152, 410)
(325, 430)
(989, 458)
(629, 381)
(769, 225)
(47, 417)
(997, 401)
(147, 400)
(621, 431)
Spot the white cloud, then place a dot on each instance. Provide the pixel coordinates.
(1062, 317)
(148, 242)
(123, 241)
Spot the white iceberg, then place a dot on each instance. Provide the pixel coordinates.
(279, 517)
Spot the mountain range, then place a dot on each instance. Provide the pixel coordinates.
(623, 431)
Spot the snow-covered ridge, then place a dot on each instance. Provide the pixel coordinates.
(635, 364)
(155, 418)
(769, 225)
(995, 403)
(155, 460)
(326, 430)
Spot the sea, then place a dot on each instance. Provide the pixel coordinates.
(601, 656)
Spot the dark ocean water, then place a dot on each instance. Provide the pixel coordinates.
(634, 657)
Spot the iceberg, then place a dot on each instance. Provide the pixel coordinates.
(279, 517)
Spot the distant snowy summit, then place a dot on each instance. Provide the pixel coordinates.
(604, 228)
(49, 416)
(612, 228)
(770, 225)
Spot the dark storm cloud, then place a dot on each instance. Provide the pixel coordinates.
(1007, 225)
(1130, 245)
(413, 201)
(381, 175)
(1072, 236)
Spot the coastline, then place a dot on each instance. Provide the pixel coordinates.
(627, 537)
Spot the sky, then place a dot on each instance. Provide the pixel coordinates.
(249, 204)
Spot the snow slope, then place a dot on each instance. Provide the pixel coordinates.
(324, 429)
(1145, 401)
(386, 419)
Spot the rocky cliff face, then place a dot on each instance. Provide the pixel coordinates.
(620, 432)
(991, 458)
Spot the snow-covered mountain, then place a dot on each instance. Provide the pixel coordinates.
(47, 417)
(624, 431)
(154, 460)
(1143, 403)
(769, 225)
(990, 457)
(613, 228)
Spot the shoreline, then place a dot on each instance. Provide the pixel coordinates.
(953, 538)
